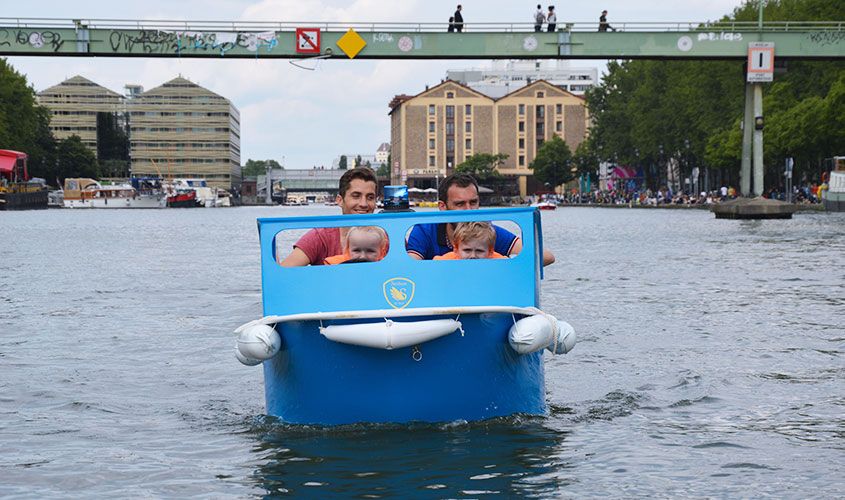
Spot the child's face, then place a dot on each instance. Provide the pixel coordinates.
(473, 249)
(364, 246)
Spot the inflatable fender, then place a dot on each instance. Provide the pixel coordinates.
(541, 331)
(258, 342)
(245, 360)
(390, 334)
(566, 339)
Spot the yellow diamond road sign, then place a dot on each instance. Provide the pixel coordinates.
(351, 43)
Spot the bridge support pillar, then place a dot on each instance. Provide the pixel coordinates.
(747, 129)
(758, 140)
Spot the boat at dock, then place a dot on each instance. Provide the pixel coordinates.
(407, 344)
(833, 197)
(17, 190)
(89, 193)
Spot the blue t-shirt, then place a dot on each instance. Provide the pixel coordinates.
(428, 240)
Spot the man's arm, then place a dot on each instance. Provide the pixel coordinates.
(297, 258)
(548, 257)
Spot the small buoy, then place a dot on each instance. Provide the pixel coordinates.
(259, 342)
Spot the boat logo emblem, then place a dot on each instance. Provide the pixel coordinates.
(399, 292)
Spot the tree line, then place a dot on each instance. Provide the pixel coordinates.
(645, 112)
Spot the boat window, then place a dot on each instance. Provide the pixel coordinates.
(331, 246)
(495, 239)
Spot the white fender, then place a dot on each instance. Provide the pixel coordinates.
(566, 339)
(245, 360)
(533, 333)
(390, 334)
(258, 342)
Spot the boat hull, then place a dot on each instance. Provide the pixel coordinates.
(474, 376)
(137, 202)
(833, 201)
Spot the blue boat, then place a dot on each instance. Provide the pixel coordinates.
(403, 340)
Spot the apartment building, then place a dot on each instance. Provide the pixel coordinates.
(180, 129)
(74, 105)
(435, 131)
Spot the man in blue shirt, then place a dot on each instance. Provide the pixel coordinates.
(459, 192)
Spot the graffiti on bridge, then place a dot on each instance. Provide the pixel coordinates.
(35, 38)
(827, 37)
(180, 42)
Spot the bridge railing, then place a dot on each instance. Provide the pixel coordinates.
(261, 26)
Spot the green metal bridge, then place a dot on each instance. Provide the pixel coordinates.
(289, 40)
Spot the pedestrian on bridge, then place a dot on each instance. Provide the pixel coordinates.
(539, 19)
(603, 24)
(459, 20)
(551, 18)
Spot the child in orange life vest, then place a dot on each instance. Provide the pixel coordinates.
(362, 244)
(472, 240)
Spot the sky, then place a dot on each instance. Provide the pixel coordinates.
(305, 118)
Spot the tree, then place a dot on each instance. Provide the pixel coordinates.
(552, 165)
(342, 163)
(255, 168)
(76, 160)
(24, 125)
(482, 166)
(383, 170)
(358, 162)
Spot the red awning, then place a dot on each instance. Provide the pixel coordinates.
(8, 158)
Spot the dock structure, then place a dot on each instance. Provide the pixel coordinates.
(301, 40)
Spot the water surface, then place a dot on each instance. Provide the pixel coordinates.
(710, 364)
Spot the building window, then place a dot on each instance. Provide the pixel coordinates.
(431, 144)
(450, 95)
(539, 143)
(521, 143)
(431, 161)
(522, 126)
(450, 128)
(541, 129)
(541, 95)
(558, 108)
(558, 126)
(541, 112)
(450, 111)
(468, 127)
(468, 109)
(521, 160)
(468, 144)
(450, 144)
(522, 109)
(431, 109)
(431, 126)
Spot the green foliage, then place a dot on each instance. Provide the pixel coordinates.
(553, 164)
(112, 139)
(255, 168)
(482, 166)
(383, 170)
(643, 105)
(76, 160)
(342, 163)
(24, 125)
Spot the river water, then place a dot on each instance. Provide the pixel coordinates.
(709, 364)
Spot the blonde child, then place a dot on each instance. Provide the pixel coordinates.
(472, 240)
(362, 244)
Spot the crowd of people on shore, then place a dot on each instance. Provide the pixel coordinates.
(804, 194)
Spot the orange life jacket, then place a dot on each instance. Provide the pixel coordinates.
(454, 256)
(336, 259)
